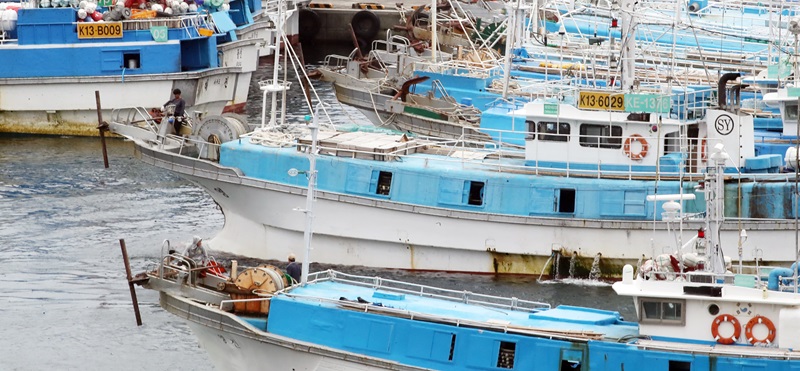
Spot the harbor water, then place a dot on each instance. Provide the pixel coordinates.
(65, 300)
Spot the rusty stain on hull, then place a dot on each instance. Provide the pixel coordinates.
(56, 127)
(503, 263)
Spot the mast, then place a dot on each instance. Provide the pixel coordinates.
(628, 46)
(513, 36)
(715, 208)
(274, 86)
(434, 31)
(312, 182)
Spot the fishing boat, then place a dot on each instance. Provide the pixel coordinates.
(134, 57)
(581, 186)
(393, 104)
(698, 318)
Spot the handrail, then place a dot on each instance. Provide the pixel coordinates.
(464, 296)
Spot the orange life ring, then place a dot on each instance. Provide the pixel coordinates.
(627, 147)
(759, 319)
(703, 144)
(737, 329)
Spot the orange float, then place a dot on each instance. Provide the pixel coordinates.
(759, 319)
(737, 329)
(627, 147)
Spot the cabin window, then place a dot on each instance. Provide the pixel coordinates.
(531, 129)
(475, 193)
(567, 365)
(680, 366)
(791, 111)
(566, 200)
(553, 131)
(505, 358)
(132, 60)
(662, 311)
(601, 136)
(384, 183)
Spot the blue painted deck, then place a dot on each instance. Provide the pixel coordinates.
(445, 344)
(561, 318)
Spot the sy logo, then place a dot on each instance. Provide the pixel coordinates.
(724, 124)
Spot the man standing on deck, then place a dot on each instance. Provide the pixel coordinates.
(180, 108)
(294, 269)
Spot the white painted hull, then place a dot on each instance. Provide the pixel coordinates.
(235, 353)
(261, 222)
(241, 54)
(66, 106)
(233, 345)
(261, 32)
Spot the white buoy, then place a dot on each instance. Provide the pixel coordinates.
(193, 8)
(627, 274)
(168, 10)
(8, 19)
(157, 7)
(225, 7)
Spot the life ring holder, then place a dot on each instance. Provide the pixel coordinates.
(759, 319)
(737, 329)
(627, 147)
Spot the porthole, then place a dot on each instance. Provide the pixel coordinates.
(713, 309)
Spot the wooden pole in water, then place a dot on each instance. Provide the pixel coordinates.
(102, 126)
(130, 283)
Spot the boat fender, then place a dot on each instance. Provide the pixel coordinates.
(737, 329)
(365, 24)
(308, 25)
(772, 281)
(635, 155)
(759, 319)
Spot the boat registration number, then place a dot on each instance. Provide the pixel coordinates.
(602, 101)
(99, 30)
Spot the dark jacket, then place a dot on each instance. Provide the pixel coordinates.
(295, 270)
(180, 105)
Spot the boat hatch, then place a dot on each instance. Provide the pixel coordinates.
(505, 358)
(565, 201)
(662, 311)
(679, 366)
(476, 193)
(571, 360)
(384, 183)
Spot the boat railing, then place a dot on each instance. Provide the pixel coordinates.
(137, 116)
(335, 62)
(179, 268)
(262, 297)
(466, 297)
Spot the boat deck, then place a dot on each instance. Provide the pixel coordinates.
(560, 322)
